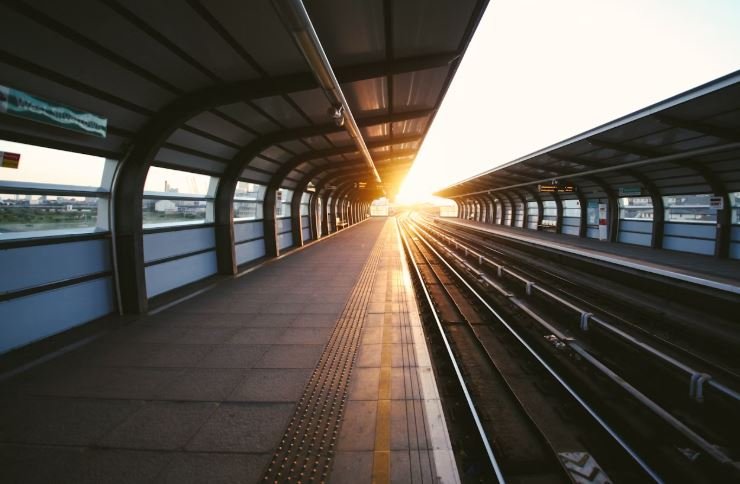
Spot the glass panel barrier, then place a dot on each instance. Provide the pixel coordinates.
(689, 209)
(636, 208)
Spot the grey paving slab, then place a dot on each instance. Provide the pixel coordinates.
(352, 467)
(309, 336)
(116, 466)
(271, 385)
(314, 321)
(212, 468)
(364, 384)
(35, 465)
(213, 320)
(160, 426)
(243, 427)
(270, 320)
(234, 356)
(135, 354)
(290, 356)
(372, 335)
(29, 465)
(411, 467)
(257, 336)
(402, 355)
(203, 384)
(404, 384)
(200, 392)
(358, 426)
(408, 428)
(61, 421)
(283, 308)
(123, 383)
(369, 356)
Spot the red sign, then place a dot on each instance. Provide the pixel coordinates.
(9, 160)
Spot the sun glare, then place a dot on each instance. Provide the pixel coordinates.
(515, 93)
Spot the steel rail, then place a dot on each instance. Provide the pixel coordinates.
(494, 366)
(468, 399)
(602, 423)
(693, 373)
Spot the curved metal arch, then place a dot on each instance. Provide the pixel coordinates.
(537, 198)
(287, 167)
(149, 140)
(523, 200)
(507, 200)
(480, 216)
(492, 208)
(295, 162)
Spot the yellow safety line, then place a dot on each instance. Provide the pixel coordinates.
(382, 452)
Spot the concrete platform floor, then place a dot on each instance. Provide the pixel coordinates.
(203, 391)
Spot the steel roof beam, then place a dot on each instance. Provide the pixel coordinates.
(296, 19)
(699, 127)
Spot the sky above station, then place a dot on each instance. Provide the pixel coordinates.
(537, 72)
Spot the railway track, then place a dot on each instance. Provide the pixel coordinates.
(700, 393)
(551, 407)
(674, 329)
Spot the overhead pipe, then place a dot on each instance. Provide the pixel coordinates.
(296, 19)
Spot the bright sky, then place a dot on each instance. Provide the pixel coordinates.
(538, 72)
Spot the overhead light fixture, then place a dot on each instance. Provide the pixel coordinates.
(296, 19)
(337, 114)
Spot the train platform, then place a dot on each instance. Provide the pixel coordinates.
(312, 366)
(719, 274)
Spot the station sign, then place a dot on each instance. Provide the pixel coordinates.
(631, 191)
(556, 188)
(9, 160)
(28, 106)
(717, 203)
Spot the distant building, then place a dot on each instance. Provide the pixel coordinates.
(165, 206)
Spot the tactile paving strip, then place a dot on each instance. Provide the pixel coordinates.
(306, 450)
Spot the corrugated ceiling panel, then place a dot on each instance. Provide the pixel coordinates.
(351, 31)
(295, 146)
(276, 153)
(318, 142)
(314, 104)
(191, 140)
(376, 130)
(255, 176)
(281, 111)
(696, 143)
(426, 27)
(249, 116)
(218, 126)
(193, 35)
(633, 130)
(708, 105)
(115, 33)
(410, 126)
(340, 138)
(726, 120)
(367, 97)
(418, 90)
(264, 164)
(255, 28)
(54, 52)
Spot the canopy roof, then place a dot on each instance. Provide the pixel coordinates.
(689, 143)
(220, 87)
